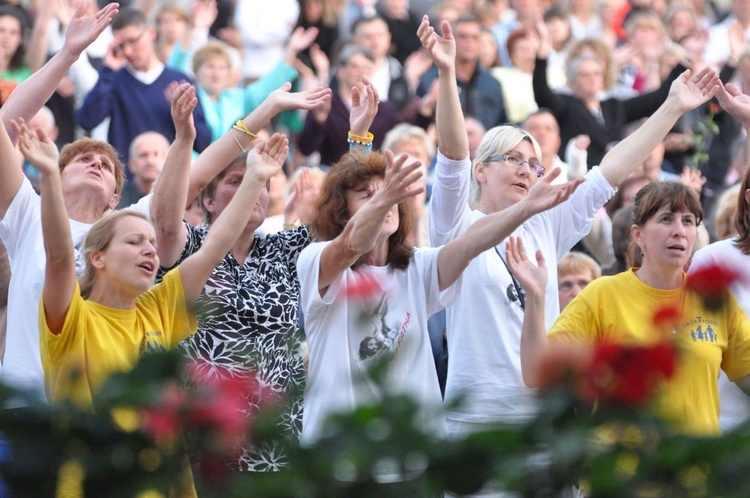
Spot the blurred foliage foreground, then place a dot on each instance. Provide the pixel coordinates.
(594, 430)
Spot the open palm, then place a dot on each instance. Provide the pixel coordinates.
(442, 49)
(691, 91)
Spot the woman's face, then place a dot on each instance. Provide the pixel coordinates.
(10, 35)
(351, 73)
(355, 199)
(130, 261)
(588, 80)
(170, 27)
(90, 173)
(488, 49)
(667, 238)
(213, 75)
(503, 184)
(523, 55)
(225, 190)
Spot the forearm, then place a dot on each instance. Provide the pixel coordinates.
(362, 230)
(55, 224)
(632, 151)
(170, 200)
(534, 342)
(481, 236)
(31, 95)
(451, 130)
(222, 152)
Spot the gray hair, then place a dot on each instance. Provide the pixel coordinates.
(573, 66)
(498, 140)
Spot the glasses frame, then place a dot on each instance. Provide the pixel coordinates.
(518, 161)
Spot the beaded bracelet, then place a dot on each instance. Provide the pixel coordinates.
(240, 126)
(358, 144)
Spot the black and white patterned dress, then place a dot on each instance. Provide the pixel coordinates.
(247, 325)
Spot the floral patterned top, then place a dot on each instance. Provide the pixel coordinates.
(247, 326)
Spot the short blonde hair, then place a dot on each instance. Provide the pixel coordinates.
(578, 262)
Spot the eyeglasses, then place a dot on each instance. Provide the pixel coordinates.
(517, 161)
(132, 42)
(568, 286)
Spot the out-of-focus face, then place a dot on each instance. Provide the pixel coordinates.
(375, 37)
(543, 127)
(171, 27)
(741, 10)
(559, 31)
(416, 151)
(588, 80)
(667, 238)
(351, 73)
(130, 261)
(149, 154)
(137, 45)
(213, 75)
(355, 199)
(488, 49)
(570, 285)
(523, 55)
(313, 10)
(467, 36)
(10, 35)
(681, 24)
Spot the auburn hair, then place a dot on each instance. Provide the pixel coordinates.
(89, 145)
(353, 172)
(742, 220)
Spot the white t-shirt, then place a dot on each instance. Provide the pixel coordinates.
(484, 326)
(345, 332)
(21, 232)
(735, 404)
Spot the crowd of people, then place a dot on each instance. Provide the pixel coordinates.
(480, 167)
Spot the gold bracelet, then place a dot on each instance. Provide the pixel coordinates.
(231, 132)
(240, 126)
(292, 226)
(368, 138)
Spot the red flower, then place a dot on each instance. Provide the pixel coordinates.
(667, 316)
(628, 375)
(163, 422)
(711, 284)
(364, 285)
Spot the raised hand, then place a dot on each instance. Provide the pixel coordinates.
(300, 40)
(183, 103)
(83, 30)
(113, 57)
(364, 108)
(689, 91)
(37, 147)
(442, 49)
(203, 14)
(692, 178)
(398, 184)
(299, 204)
(735, 103)
(532, 277)
(283, 100)
(736, 41)
(320, 62)
(544, 195)
(267, 158)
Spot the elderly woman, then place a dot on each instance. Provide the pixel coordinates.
(362, 218)
(484, 325)
(583, 112)
(248, 318)
(617, 309)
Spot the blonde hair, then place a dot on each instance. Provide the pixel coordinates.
(98, 239)
(498, 140)
(725, 215)
(578, 262)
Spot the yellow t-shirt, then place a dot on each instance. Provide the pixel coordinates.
(620, 309)
(97, 341)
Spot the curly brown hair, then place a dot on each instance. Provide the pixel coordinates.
(354, 171)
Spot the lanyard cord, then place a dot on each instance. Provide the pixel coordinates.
(519, 291)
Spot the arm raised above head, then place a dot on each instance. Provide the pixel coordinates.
(60, 274)
(170, 193)
(31, 95)
(263, 162)
(223, 151)
(687, 92)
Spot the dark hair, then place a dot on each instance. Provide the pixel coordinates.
(353, 171)
(617, 200)
(17, 60)
(742, 220)
(210, 189)
(652, 197)
(129, 17)
(367, 20)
